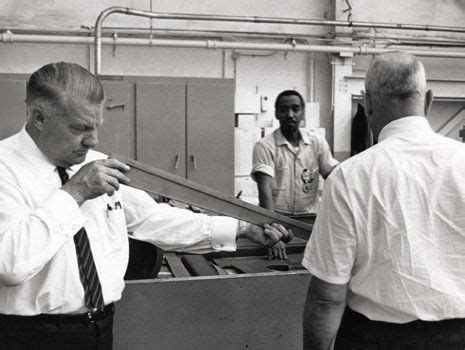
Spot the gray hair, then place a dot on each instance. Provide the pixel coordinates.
(52, 85)
(395, 75)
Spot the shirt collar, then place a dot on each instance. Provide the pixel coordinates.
(404, 125)
(281, 140)
(28, 147)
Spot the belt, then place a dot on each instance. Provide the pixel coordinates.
(87, 317)
(352, 318)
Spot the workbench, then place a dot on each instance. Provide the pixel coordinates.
(230, 310)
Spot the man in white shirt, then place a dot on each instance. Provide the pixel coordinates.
(287, 164)
(65, 212)
(389, 238)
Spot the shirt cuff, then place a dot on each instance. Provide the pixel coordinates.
(224, 231)
(262, 168)
(66, 211)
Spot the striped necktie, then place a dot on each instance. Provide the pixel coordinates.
(87, 270)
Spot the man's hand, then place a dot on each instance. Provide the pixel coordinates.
(278, 251)
(268, 235)
(97, 178)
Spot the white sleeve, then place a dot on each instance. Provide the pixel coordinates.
(262, 160)
(326, 162)
(29, 238)
(176, 229)
(331, 251)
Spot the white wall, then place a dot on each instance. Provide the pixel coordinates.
(260, 75)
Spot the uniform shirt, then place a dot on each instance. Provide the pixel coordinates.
(38, 265)
(273, 155)
(392, 225)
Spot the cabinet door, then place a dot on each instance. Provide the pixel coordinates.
(117, 133)
(13, 107)
(210, 135)
(161, 126)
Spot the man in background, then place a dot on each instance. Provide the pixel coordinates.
(388, 240)
(287, 164)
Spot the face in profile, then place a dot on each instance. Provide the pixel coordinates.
(290, 113)
(69, 132)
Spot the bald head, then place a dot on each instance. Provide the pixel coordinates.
(396, 75)
(395, 86)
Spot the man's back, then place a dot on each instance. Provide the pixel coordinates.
(408, 194)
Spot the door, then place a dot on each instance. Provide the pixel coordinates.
(161, 126)
(210, 135)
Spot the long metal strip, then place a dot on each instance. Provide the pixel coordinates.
(159, 182)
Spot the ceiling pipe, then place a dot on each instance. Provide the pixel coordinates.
(9, 37)
(249, 19)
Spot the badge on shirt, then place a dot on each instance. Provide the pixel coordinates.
(307, 178)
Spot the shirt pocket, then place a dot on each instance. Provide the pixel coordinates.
(282, 177)
(116, 228)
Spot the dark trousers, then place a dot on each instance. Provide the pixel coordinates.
(44, 332)
(359, 332)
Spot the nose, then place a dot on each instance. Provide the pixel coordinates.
(91, 139)
(291, 115)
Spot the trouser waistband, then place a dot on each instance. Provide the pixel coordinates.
(355, 318)
(88, 317)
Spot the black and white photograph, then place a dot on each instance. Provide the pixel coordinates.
(232, 175)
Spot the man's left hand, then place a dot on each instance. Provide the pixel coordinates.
(278, 251)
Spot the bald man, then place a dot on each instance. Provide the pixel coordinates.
(387, 252)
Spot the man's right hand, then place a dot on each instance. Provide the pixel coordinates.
(97, 178)
(268, 235)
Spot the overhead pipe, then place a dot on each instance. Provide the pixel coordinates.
(9, 37)
(254, 19)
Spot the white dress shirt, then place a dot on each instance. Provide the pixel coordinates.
(392, 225)
(38, 266)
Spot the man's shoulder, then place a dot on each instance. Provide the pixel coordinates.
(267, 141)
(312, 136)
(9, 144)
(360, 160)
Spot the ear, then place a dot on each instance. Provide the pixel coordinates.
(37, 119)
(428, 101)
(367, 104)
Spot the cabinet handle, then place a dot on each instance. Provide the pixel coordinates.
(111, 106)
(194, 161)
(176, 161)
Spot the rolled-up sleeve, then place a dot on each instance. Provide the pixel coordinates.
(326, 162)
(262, 160)
(331, 251)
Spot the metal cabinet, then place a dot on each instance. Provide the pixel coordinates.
(12, 106)
(187, 128)
(181, 125)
